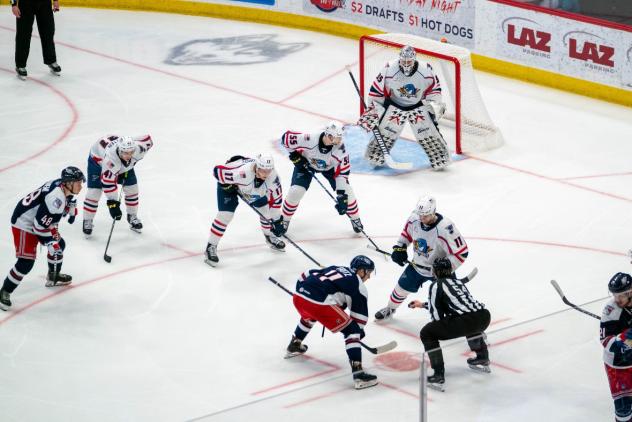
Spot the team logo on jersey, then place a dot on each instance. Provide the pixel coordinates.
(421, 247)
(450, 228)
(608, 310)
(319, 164)
(408, 91)
(57, 203)
(241, 50)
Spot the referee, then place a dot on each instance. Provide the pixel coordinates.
(455, 313)
(25, 12)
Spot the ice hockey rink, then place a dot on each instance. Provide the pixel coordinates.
(157, 335)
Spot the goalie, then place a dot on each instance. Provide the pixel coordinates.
(406, 90)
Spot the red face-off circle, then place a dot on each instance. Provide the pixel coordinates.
(398, 361)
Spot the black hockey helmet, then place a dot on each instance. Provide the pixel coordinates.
(362, 262)
(619, 283)
(72, 174)
(442, 267)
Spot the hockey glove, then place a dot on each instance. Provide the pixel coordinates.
(71, 210)
(260, 202)
(278, 228)
(54, 249)
(399, 255)
(55, 234)
(228, 188)
(298, 160)
(342, 200)
(115, 209)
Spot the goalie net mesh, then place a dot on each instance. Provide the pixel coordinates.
(473, 129)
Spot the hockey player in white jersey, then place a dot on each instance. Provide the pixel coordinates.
(321, 152)
(110, 163)
(35, 220)
(257, 182)
(406, 90)
(433, 236)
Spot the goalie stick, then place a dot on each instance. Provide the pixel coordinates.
(378, 136)
(375, 350)
(569, 303)
(464, 280)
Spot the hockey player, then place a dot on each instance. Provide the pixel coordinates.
(433, 236)
(35, 220)
(256, 181)
(111, 162)
(455, 313)
(322, 152)
(616, 338)
(406, 90)
(322, 295)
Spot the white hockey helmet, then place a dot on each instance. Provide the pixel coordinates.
(334, 129)
(426, 205)
(126, 144)
(407, 59)
(264, 162)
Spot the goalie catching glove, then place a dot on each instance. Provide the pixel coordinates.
(399, 255)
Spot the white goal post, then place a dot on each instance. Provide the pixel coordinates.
(466, 114)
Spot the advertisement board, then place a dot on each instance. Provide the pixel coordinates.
(451, 20)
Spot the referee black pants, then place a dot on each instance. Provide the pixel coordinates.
(470, 325)
(30, 10)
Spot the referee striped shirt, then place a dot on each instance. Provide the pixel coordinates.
(449, 297)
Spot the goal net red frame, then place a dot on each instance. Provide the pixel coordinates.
(466, 123)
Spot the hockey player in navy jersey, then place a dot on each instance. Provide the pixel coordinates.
(322, 295)
(406, 90)
(432, 236)
(616, 338)
(321, 152)
(110, 163)
(35, 220)
(256, 181)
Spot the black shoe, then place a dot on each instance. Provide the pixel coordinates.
(55, 69)
(437, 381)
(295, 348)
(21, 73)
(57, 279)
(275, 243)
(480, 364)
(134, 223)
(362, 379)
(5, 300)
(87, 227)
(211, 255)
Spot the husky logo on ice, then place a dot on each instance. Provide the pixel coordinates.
(241, 50)
(421, 247)
(408, 91)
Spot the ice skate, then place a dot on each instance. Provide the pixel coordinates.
(5, 300)
(87, 227)
(21, 73)
(211, 255)
(275, 243)
(384, 314)
(134, 223)
(295, 348)
(357, 226)
(55, 69)
(436, 381)
(57, 279)
(479, 364)
(362, 379)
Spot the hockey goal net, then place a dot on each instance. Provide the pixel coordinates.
(469, 124)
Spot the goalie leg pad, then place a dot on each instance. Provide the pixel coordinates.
(391, 126)
(429, 138)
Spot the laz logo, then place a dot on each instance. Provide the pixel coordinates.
(589, 51)
(527, 37)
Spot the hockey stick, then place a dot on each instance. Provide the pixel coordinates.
(334, 199)
(285, 236)
(378, 136)
(107, 257)
(375, 350)
(464, 280)
(567, 302)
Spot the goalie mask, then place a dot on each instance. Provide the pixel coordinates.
(407, 60)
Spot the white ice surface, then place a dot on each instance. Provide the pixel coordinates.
(157, 335)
